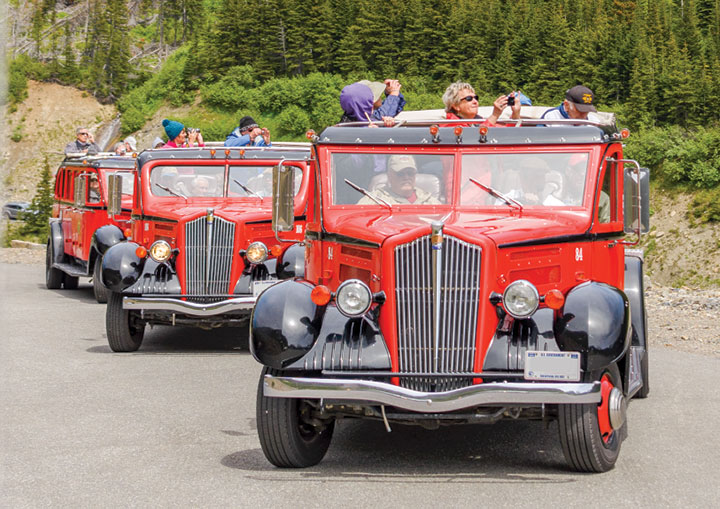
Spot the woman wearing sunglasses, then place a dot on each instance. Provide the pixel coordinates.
(461, 102)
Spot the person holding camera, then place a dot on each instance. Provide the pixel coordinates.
(84, 144)
(393, 103)
(179, 137)
(248, 133)
(461, 102)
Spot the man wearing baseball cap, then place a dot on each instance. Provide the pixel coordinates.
(400, 187)
(579, 104)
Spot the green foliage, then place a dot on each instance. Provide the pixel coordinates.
(293, 121)
(37, 216)
(705, 206)
(20, 70)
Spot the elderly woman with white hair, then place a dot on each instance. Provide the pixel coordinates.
(461, 102)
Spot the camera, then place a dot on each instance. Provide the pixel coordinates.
(193, 130)
(511, 100)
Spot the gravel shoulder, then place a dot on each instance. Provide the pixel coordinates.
(681, 318)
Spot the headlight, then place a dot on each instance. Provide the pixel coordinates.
(160, 251)
(256, 252)
(353, 297)
(521, 299)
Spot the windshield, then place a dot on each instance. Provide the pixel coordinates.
(213, 181)
(547, 179)
(391, 179)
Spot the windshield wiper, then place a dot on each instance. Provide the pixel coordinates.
(246, 189)
(367, 193)
(497, 194)
(174, 193)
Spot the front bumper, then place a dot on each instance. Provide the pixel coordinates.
(381, 393)
(175, 305)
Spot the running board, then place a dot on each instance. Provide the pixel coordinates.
(71, 269)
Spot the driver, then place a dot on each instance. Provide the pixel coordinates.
(400, 187)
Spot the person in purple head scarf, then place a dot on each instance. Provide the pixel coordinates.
(356, 100)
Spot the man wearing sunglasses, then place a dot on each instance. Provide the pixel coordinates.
(400, 187)
(461, 102)
(84, 144)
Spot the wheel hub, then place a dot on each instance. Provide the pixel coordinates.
(617, 408)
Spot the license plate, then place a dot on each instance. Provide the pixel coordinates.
(552, 366)
(260, 286)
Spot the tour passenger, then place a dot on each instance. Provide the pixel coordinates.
(178, 136)
(248, 133)
(119, 148)
(200, 186)
(400, 186)
(357, 101)
(158, 143)
(394, 101)
(578, 104)
(461, 102)
(130, 144)
(84, 143)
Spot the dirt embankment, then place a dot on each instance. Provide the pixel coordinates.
(41, 127)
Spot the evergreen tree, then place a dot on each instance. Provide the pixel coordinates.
(68, 69)
(38, 214)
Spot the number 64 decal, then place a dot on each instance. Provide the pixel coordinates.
(578, 254)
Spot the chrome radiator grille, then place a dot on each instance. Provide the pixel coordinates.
(437, 322)
(208, 256)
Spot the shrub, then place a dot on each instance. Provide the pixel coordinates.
(37, 216)
(293, 121)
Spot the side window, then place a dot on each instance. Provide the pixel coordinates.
(93, 190)
(606, 202)
(59, 184)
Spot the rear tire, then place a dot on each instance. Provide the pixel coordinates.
(287, 437)
(70, 282)
(124, 330)
(99, 289)
(585, 449)
(53, 276)
(645, 373)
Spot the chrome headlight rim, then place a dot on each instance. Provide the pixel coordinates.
(341, 293)
(256, 247)
(160, 251)
(520, 285)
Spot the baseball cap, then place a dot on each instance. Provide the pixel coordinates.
(582, 97)
(376, 87)
(400, 162)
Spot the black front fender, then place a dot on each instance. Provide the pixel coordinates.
(105, 237)
(292, 262)
(56, 241)
(121, 267)
(596, 322)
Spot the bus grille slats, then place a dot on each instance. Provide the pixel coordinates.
(208, 256)
(458, 311)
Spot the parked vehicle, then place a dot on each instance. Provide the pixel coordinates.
(13, 209)
(507, 294)
(200, 246)
(80, 211)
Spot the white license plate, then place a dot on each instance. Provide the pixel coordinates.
(260, 286)
(549, 366)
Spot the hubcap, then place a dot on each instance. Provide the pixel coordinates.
(606, 428)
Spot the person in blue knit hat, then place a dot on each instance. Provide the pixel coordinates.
(178, 137)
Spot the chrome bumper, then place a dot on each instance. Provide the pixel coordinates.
(189, 308)
(381, 393)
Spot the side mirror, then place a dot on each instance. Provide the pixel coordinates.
(636, 200)
(80, 192)
(283, 205)
(114, 181)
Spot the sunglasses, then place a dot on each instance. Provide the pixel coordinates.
(405, 173)
(83, 134)
(469, 98)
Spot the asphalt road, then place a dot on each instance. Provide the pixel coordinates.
(173, 425)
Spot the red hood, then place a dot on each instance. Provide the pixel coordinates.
(232, 211)
(500, 228)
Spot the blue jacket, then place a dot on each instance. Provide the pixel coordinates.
(235, 139)
(391, 106)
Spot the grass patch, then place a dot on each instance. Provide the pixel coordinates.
(705, 206)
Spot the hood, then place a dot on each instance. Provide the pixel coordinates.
(501, 229)
(356, 100)
(256, 210)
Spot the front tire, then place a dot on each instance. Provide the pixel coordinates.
(53, 277)
(588, 443)
(124, 330)
(287, 437)
(99, 289)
